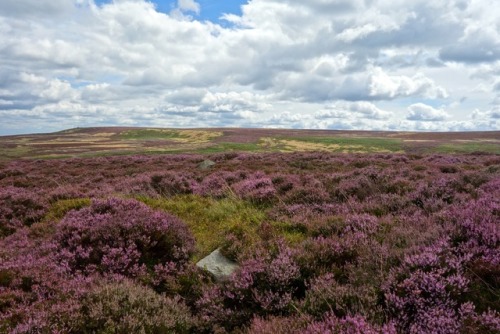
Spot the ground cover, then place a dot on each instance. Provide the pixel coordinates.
(89, 142)
(326, 242)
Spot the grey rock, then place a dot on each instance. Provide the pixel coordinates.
(218, 265)
(206, 164)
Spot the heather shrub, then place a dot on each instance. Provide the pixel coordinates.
(65, 192)
(294, 324)
(321, 255)
(19, 207)
(325, 294)
(125, 307)
(36, 296)
(435, 195)
(263, 286)
(173, 183)
(430, 290)
(125, 237)
(358, 186)
(356, 324)
(139, 185)
(240, 242)
(475, 233)
(214, 185)
(285, 182)
(327, 243)
(384, 204)
(256, 187)
(310, 191)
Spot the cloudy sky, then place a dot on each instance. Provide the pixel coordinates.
(331, 64)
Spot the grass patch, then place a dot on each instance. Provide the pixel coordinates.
(59, 209)
(150, 134)
(183, 136)
(56, 212)
(335, 144)
(14, 153)
(467, 148)
(231, 147)
(208, 219)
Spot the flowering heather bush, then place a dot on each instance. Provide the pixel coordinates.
(331, 324)
(325, 294)
(309, 191)
(66, 192)
(265, 285)
(435, 195)
(359, 186)
(125, 237)
(327, 243)
(330, 254)
(279, 325)
(125, 307)
(256, 187)
(19, 207)
(139, 185)
(215, 185)
(35, 293)
(430, 290)
(173, 183)
(285, 182)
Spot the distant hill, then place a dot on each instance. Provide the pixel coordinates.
(104, 141)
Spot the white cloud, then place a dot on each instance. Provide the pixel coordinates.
(425, 113)
(189, 5)
(383, 85)
(319, 63)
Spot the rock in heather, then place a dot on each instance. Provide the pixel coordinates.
(218, 265)
(206, 164)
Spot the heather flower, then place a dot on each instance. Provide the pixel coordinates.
(126, 307)
(116, 236)
(257, 187)
(19, 207)
(214, 185)
(331, 324)
(325, 294)
(262, 286)
(173, 183)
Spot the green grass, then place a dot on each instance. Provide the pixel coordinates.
(150, 134)
(15, 153)
(467, 148)
(230, 147)
(368, 143)
(55, 213)
(210, 220)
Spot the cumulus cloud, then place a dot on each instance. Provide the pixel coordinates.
(320, 63)
(189, 6)
(360, 109)
(479, 45)
(385, 86)
(425, 113)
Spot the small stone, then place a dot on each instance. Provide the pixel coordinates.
(218, 265)
(206, 164)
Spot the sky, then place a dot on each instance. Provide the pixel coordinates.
(393, 65)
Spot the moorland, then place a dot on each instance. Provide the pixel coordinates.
(332, 231)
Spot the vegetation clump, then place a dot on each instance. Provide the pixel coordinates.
(325, 243)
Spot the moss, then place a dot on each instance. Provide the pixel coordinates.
(55, 213)
(210, 220)
(61, 207)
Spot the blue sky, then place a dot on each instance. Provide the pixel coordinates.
(318, 64)
(211, 10)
